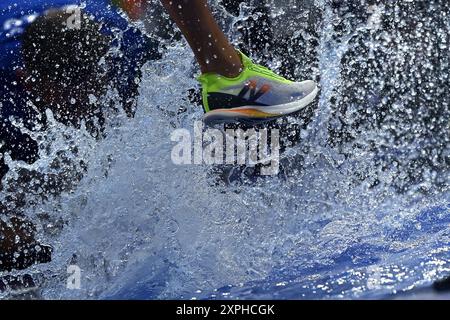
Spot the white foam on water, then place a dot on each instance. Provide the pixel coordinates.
(136, 219)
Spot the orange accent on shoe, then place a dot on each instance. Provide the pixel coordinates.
(266, 88)
(252, 113)
(252, 84)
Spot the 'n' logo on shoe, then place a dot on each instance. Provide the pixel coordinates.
(251, 87)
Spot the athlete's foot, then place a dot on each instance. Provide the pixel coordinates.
(256, 95)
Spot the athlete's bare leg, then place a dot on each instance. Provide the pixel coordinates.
(211, 47)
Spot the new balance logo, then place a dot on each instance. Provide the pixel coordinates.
(254, 94)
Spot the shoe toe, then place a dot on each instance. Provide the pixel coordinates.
(306, 87)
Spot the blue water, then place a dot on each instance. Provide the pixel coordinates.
(359, 218)
(362, 271)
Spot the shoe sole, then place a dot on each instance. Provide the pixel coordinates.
(258, 114)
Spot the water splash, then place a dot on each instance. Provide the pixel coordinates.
(335, 226)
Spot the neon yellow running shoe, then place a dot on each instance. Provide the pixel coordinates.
(256, 95)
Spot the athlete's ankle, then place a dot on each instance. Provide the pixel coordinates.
(226, 66)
